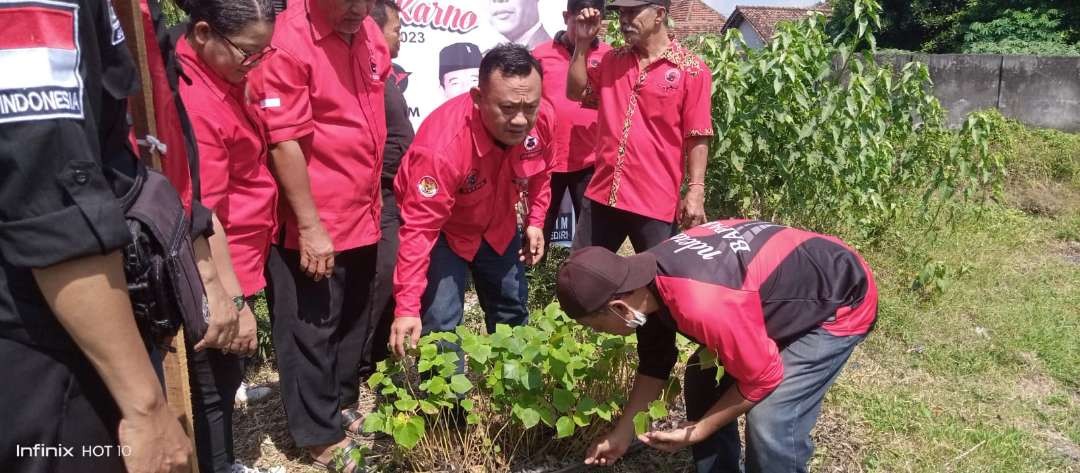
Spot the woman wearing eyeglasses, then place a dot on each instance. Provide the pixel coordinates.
(225, 40)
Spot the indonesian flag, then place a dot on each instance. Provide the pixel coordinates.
(39, 61)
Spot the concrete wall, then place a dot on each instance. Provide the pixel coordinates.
(1038, 91)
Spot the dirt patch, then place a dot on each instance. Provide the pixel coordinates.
(1034, 387)
(840, 445)
(1070, 251)
(1043, 198)
(1062, 445)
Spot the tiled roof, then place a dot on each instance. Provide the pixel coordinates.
(693, 17)
(764, 19)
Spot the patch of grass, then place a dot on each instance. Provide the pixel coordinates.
(984, 375)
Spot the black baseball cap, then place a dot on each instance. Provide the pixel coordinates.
(638, 3)
(574, 6)
(592, 276)
(458, 56)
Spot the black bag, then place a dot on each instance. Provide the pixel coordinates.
(163, 278)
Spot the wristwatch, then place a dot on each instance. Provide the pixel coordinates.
(239, 302)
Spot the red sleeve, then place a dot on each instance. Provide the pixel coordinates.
(730, 323)
(540, 183)
(213, 164)
(424, 187)
(284, 97)
(591, 97)
(697, 103)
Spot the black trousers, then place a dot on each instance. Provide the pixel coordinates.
(52, 399)
(573, 182)
(319, 330)
(214, 377)
(381, 307)
(600, 225)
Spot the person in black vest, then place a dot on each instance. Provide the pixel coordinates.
(79, 374)
(781, 309)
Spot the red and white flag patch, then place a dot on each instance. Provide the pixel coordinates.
(39, 54)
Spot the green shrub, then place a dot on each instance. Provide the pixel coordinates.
(800, 143)
(1027, 31)
(526, 387)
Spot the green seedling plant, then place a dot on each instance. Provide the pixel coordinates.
(524, 388)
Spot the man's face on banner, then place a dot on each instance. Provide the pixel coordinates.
(513, 18)
(455, 83)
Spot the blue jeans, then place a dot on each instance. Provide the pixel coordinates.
(778, 427)
(499, 281)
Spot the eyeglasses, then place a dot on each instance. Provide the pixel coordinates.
(247, 59)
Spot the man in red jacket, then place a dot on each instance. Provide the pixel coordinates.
(458, 186)
(780, 308)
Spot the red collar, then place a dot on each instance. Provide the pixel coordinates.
(195, 66)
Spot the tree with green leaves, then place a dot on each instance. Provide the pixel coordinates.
(991, 26)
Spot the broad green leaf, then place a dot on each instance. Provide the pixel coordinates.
(467, 404)
(512, 370)
(529, 417)
(641, 423)
(410, 433)
(657, 410)
(375, 379)
(564, 427)
(563, 400)
(428, 408)
(460, 384)
(375, 422)
(428, 351)
(436, 385)
(405, 404)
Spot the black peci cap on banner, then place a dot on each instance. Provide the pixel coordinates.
(458, 56)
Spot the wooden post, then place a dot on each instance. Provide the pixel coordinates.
(177, 383)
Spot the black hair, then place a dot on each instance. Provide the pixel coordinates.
(512, 60)
(379, 13)
(227, 16)
(575, 6)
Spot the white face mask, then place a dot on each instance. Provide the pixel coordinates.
(637, 318)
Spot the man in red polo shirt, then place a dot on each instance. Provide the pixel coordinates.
(458, 186)
(322, 97)
(575, 133)
(653, 97)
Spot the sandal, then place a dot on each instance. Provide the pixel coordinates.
(347, 465)
(350, 417)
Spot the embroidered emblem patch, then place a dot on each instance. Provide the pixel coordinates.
(427, 186)
(473, 182)
(531, 142)
(39, 53)
(672, 76)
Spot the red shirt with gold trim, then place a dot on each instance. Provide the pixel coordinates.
(575, 135)
(456, 180)
(327, 94)
(645, 117)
